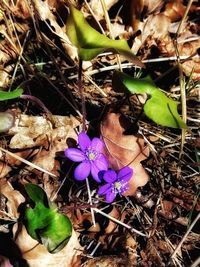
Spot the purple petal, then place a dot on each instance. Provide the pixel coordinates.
(97, 144)
(95, 171)
(100, 164)
(82, 171)
(101, 174)
(110, 176)
(84, 141)
(74, 154)
(110, 196)
(104, 189)
(125, 174)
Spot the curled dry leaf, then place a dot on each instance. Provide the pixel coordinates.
(7, 119)
(37, 255)
(14, 198)
(123, 150)
(108, 261)
(31, 131)
(96, 6)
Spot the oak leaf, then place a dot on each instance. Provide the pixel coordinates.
(123, 150)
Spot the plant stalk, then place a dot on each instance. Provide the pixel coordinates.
(81, 90)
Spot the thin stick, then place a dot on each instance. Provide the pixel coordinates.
(131, 65)
(80, 87)
(90, 201)
(109, 28)
(184, 237)
(181, 78)
(119, 222)
(27, 162)
(97, 21)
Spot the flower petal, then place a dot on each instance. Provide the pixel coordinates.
(97, 144)
(95, 171)
(74, 154)
(125, 174)
(104, 189)
(82, 171)
(110, 196)
(100, 164)
(110, 176)
(84, 141)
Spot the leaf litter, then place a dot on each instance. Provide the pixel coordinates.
(163, 197)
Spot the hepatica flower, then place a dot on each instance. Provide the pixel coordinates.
(117, 183)
(90, 157)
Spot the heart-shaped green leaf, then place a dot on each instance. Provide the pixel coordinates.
(44, 223)
(159, 107)
(90, 42)
(10, 95)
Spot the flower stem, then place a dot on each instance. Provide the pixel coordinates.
(81, 90)
(37, 101)
(90, 201)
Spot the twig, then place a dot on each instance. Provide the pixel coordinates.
(184, 237)
(81, 91)
(90, 201)
(109, 28)
(37, 101)
(181, 78)
(27, 162)
(131, 65)
(97, 21)
(119, 222)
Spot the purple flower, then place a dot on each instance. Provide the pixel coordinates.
(90, 155)
(116, 183)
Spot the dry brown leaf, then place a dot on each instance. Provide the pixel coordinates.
(142, 8)
(131, 246)
(37, 255)
(14, 198)
(7, 161)
(30, 131)
(45, 13)
(174, 10)
(109, 261)
(123, 150)
(96, 7)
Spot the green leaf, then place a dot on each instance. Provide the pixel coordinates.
(10, 95)
(44, 223)
(37, 194)
(90, 42)
(159, 107)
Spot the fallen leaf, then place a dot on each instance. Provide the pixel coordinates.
(108, 261)
(174, 10)
(96, 6)
(7, 119)
(14, 198)
(123, 150)
(7, 161)
(37, 255)
(30, 131)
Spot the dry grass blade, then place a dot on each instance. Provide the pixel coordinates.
(27, 162)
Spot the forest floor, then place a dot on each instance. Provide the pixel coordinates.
(157, 221)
